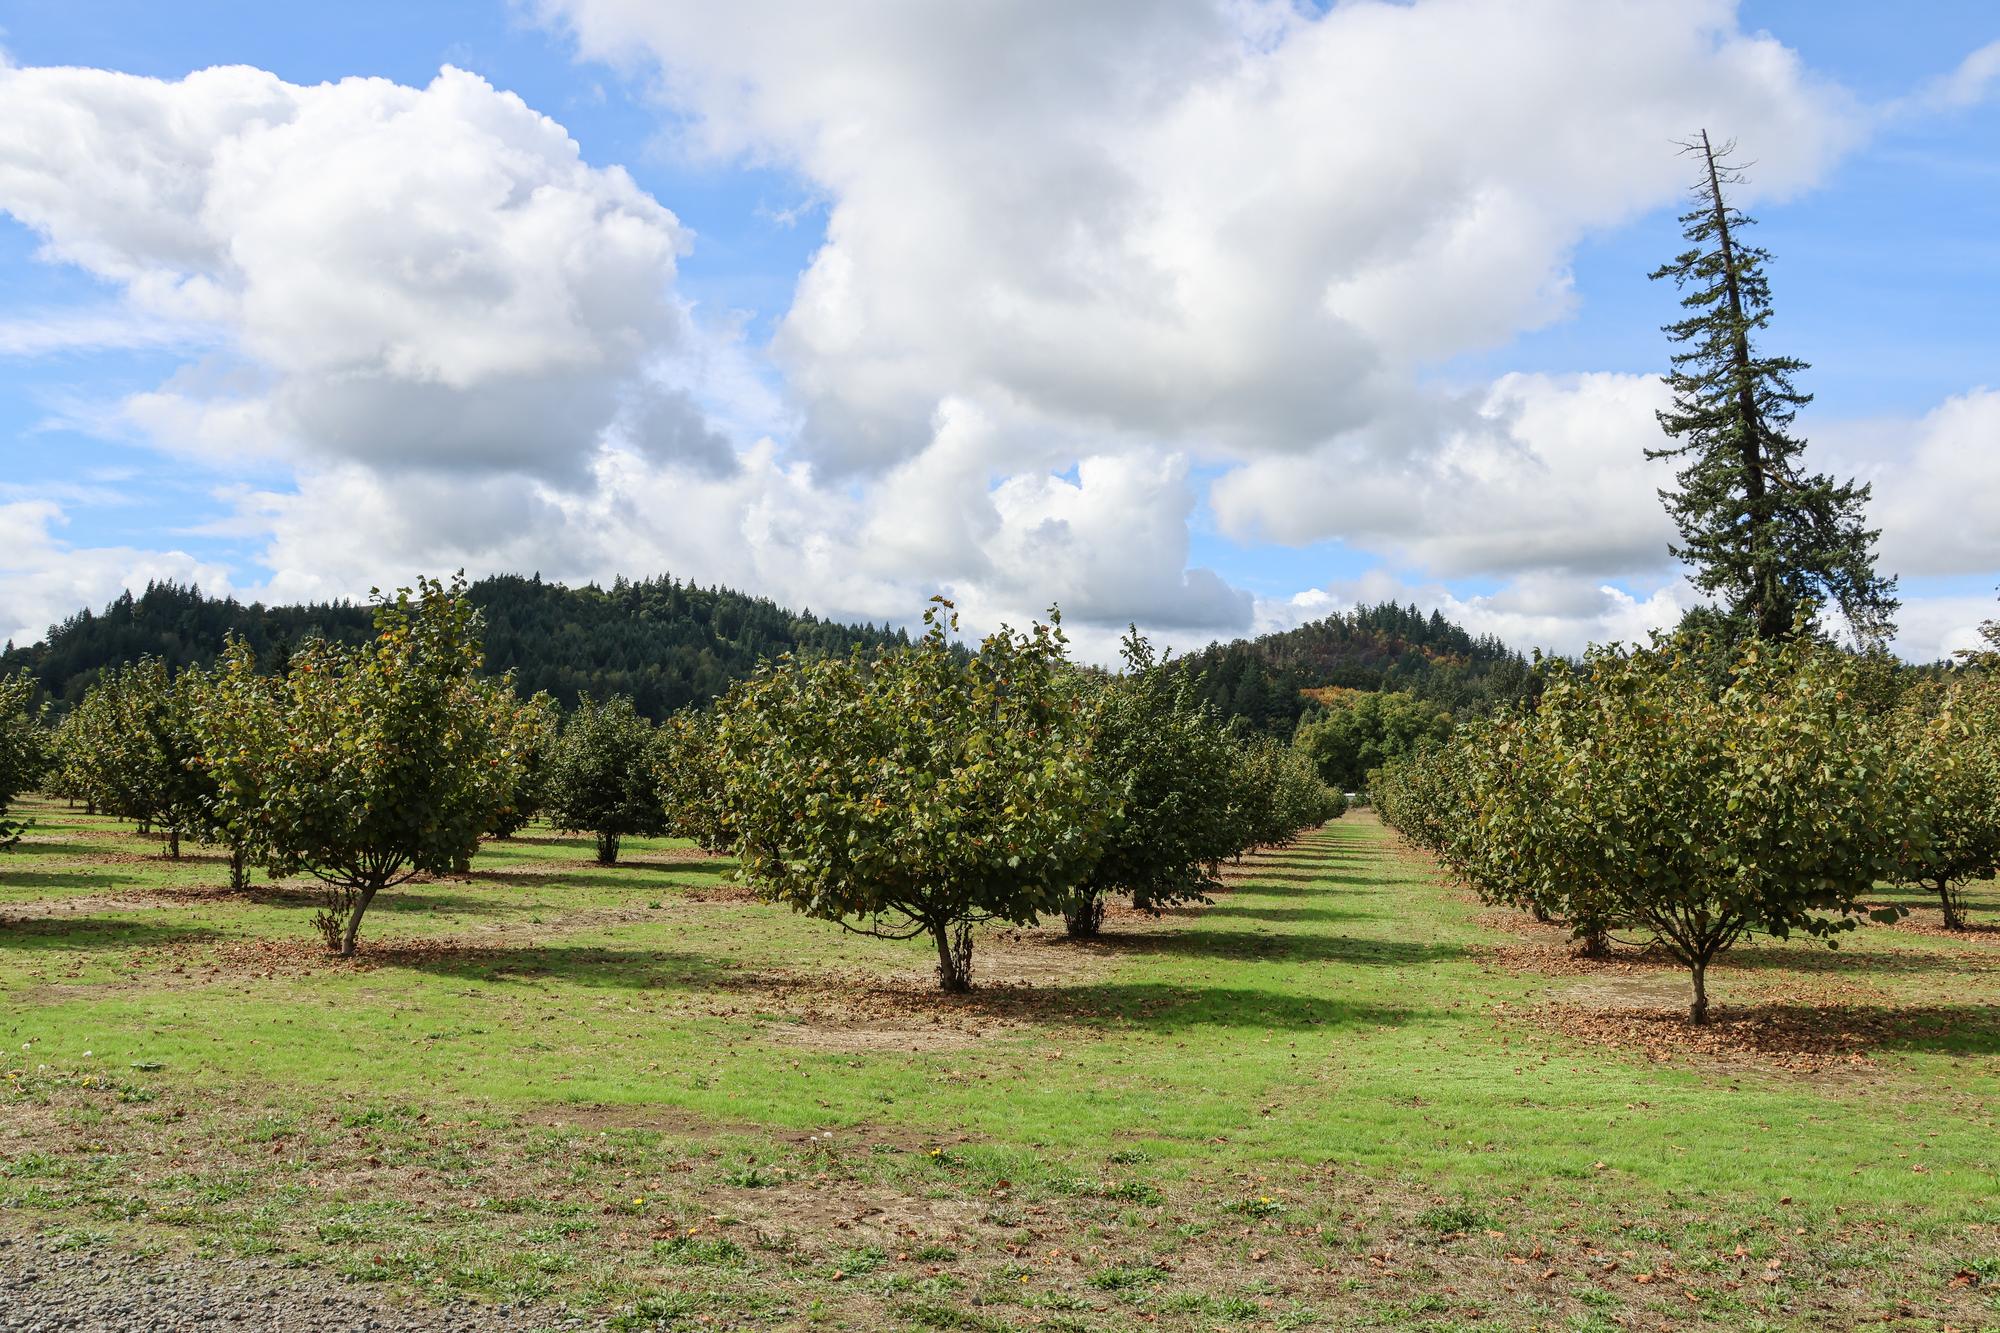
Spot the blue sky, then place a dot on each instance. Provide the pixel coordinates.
(1885, 223)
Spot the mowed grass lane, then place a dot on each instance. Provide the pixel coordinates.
(1343, 1094)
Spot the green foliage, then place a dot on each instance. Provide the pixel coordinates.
(1637, 792)
(1773, 542)
(603, 775)
(1947, 736)
(131, 749)
(1275, 795)
(530, 728)
(1361, 731)
(918, 793)
(387, 759)
(690, 775)
(1168, 762)
(24, 748)
(236, 726)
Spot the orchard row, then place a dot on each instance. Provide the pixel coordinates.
(1701, 797)
(915, 791)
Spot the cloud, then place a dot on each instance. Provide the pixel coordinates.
(1226, 228)
(44, 580)
(49, 332)
(1070, 252)
(1539, 472)
(1108, 546)
(1937, 483)
(407, 277)
(1553, 612)
(460, 345)
(1936, 628)
(1970, 83)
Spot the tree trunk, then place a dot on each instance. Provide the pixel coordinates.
(239, 875)
(174, 843)
(607, 849)
(347, 938)
(954, 946)
(1954, 914)
(1595, 939)
(1698, 1011)
(1084, 916)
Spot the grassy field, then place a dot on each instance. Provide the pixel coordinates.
(1344, 1096)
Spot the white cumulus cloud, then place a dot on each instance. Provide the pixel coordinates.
(1231, 227)
(407, 276)
(44, 579)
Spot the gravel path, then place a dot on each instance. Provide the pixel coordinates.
(45, 1290)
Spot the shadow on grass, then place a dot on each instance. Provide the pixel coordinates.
(1296, 861)
(96, 880)
(1252, 875)
(1226, 907)
(1819, 960)
(416, 899)
(1807, 1038)
(78, 933)
(1945, 1029)
(1261, 946)
(580, 965)
(1162, 1007)
(1320, 886)
(834, 1000)
(598, 876)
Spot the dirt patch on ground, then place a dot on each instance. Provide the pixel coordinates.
(1026, 980)
(1977, 934)
(889, 1033)
(1635, 1002)
(98, 860)
(1560, 958)
(13, 914)
(1799, 1038)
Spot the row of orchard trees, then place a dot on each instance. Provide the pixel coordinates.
(913, 792)
(362, 767)
(919, 791)
(1702, 800)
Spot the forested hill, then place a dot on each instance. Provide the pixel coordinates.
(665, 643)
(1386, 647)
(669, 644)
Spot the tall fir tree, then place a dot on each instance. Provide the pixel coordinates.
(1767, 538)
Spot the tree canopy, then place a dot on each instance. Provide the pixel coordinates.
(918, 793)
(1770, 539)
(1358, 731)
(603, 775)
(387, 759)
(24, 748)
(1638, 792)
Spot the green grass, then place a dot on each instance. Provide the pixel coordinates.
(1316, 1103)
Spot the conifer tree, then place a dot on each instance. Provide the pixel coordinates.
(1770, 539)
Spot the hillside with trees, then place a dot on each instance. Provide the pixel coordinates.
(1265, 680)
(662, 642)
(667, 644)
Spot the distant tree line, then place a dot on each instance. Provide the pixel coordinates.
(662, 643)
